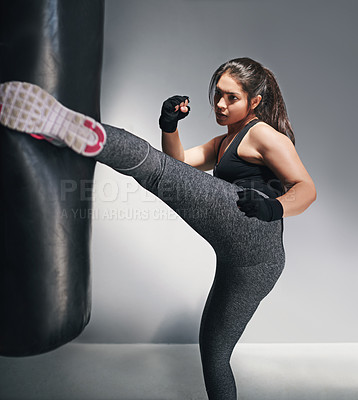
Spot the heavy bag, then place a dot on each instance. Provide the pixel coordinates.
(45, 296)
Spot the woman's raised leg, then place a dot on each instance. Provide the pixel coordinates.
(206, 203)
(250, 254)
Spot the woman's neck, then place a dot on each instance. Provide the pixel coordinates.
(238, 126)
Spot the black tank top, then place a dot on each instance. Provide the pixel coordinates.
(232, 168)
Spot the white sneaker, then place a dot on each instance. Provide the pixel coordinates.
(28, 108)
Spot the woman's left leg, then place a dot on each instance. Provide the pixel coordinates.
(234, 297)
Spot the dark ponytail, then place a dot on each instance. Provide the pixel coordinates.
(257, 80)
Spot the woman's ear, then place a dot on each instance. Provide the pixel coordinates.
(255, 101)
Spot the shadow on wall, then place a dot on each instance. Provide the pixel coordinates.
(180, 327)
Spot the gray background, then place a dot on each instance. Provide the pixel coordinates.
(151, 272)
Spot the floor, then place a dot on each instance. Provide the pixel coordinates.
(172, 372)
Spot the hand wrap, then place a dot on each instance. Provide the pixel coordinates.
(254, 205)
(169, 118)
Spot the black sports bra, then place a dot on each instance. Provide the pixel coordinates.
(232, 168)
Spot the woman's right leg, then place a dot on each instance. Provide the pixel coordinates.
(185, 189)
(206, 203)
(249, 252)
(199, 198)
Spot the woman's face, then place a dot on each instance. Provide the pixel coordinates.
(230, 101)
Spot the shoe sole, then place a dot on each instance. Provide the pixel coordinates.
(27, 108)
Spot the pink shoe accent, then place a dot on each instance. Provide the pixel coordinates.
(100, 135)
(39, 137)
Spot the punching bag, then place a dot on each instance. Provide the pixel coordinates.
(45, 295)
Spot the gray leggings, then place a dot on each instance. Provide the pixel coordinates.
(250, 254)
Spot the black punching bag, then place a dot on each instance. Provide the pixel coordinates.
(45, 296)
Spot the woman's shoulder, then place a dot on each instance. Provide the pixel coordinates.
(265, 139)
(262, 128)
(263, 134)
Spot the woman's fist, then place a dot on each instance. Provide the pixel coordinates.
(173, 109)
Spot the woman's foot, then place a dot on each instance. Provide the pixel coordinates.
(28, 108)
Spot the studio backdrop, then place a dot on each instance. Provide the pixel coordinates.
(151, 272)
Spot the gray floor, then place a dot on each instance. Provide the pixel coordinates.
(172, 372)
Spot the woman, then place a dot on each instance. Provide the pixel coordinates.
(238, 211)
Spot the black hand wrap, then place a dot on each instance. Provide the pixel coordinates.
(169, 118)
(254, 205)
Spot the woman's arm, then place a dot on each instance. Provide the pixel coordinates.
(172, 146)
(171, 143)
(279, 154)
(202, 157)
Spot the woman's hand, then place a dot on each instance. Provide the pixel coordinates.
(254, 205)
(174, 109)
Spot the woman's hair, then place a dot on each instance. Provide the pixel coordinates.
(257, 80)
